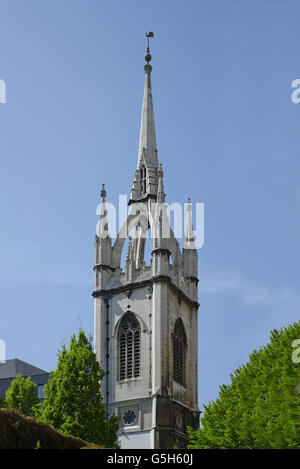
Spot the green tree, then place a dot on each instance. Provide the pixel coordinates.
(72, 397)
(261, 406)
(22, 396)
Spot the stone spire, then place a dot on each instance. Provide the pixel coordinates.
(147, 144)
(145, 178)
(190, 254)
(160, 188)
(103, 250)
(129, 267)
(189, 242)
(102, 230)
(161, 225)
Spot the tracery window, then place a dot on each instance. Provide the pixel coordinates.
(129, 347)
(179, 352)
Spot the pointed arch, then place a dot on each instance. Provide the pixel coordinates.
(179, 352)
(141, 215)
(141, 322)
(129, 347)
(117, 249)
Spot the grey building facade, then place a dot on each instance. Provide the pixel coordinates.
(146, 314)
(9, 370)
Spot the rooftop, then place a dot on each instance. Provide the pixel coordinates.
(10, 368)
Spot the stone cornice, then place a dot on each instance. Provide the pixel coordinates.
(104, 267)
(146, 283)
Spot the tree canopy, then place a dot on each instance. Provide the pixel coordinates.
(22, 396)
(261, 406)
(73, 401)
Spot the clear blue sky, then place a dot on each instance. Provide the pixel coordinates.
(228, 135)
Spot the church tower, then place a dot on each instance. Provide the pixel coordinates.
(146, 316)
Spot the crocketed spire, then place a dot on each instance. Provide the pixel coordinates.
(145, 177)
(147, 144)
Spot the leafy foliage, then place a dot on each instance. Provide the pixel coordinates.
(261, 406)
(73, 402)
(22, 396)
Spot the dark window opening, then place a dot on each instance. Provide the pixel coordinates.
(179, 352)
(143, 176)
(129, 347)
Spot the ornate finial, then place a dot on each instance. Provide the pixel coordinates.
(148, 55)
(189, 233)
(103, 193)
(129, 250)
(160, 171)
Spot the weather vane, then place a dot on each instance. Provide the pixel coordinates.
(148, 55)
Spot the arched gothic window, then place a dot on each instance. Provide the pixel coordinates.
(179, 352)
(129, 347)
(143, 176)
